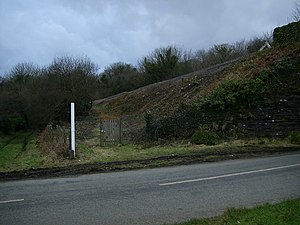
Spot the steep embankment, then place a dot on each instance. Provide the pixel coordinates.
(259, 96)
(256, 95)
(161, 99)
(172, 103)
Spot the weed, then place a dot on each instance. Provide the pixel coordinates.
(54, 139)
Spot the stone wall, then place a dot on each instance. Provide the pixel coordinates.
(278, 118)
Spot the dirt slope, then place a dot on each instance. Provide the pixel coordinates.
(171, 92)
(163, 99)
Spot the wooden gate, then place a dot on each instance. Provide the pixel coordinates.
(110, 131)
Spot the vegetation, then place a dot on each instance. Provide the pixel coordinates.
(238, 92)
(164, 63)
(234, 100)
(151, 126)
(19, 152)
(295, 137)
(53, 140)
(287, 34)
(27, 150)
(241, 92)
(204, 137)
(296, 13)
(119, 77)
(37, 99)
(32, 97)
(286, 212)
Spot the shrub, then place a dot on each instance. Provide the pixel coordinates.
(12, 123)
(284, 66)
(238, 92)
(295, 137)
(204, 137)
(287, 34)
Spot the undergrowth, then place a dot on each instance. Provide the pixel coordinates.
(234, 101)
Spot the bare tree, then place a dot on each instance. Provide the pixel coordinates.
(22, 72)
(296, 14)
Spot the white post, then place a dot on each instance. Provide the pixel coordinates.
(73, 128)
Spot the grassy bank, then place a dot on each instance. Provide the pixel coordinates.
(93, 153)
(21, 152)
(287, 212)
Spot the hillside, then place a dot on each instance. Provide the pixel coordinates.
(161, 99)
(242, 106)
(172, 101)
(257, 95)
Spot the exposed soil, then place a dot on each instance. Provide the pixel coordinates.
(162, 161)
(162, 99)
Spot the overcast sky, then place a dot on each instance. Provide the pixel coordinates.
(109, 31)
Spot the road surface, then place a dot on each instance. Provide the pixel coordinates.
(152, 196)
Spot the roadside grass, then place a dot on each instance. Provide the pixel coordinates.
(21, 152)
(287, 212)
(89, 152)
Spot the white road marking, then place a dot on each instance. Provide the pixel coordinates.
(229, 175)
(9, 201)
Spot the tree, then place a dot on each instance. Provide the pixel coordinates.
(23, 72)
(12, 96)
(66, 79)
(223, 52)
(76, 79)
(38, 96)
(117, 69)
(119, 77)
(296, 13)
(161, 63)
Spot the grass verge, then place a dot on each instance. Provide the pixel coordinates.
(19, 152)
(92, 153)
(287, 212)
(21, 157)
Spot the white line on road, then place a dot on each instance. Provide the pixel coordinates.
(9, 201)
(229, 175)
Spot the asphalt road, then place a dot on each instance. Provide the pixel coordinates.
(152, 196)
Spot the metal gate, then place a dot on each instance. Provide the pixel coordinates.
(110, 131)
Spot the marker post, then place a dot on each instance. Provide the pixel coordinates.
(72, 142)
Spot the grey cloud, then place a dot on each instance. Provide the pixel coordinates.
(108, 31)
